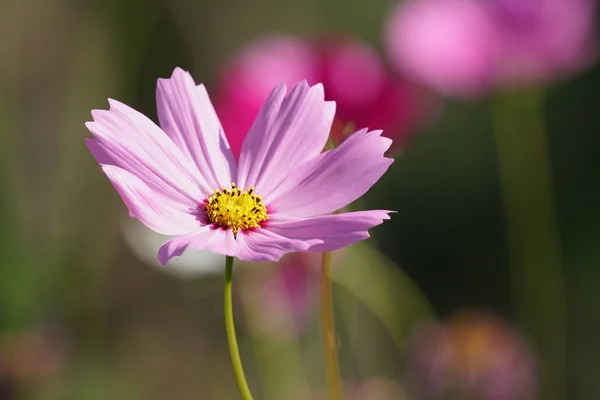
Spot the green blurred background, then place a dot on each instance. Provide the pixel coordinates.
(82, 317)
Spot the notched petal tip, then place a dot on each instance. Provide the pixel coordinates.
(318, 90)
(177, 72)
(95, 112)
(375, 135)
(115, 105)
(97, 115)
(303, 83)
(330, 106)
(384, 214)
(279, 90)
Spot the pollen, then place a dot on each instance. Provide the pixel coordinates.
(236, 209)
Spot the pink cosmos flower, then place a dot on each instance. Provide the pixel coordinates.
(366, 93)
(181, 178)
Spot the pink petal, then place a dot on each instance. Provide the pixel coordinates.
(127, 139)
(335, 178)
(156, 211)
(247, 81)
(262, 245)
(217, 240)
(100, 155)
(286, 133)
(335, 231)
(186, 114)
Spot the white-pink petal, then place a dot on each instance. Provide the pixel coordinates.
(216, 240)
(263, 245)
(127, 139)
(187, 115)
(157, 212)
(334, 231)
(288, 131)
(334, 179)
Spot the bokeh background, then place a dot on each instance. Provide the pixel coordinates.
(484, 285)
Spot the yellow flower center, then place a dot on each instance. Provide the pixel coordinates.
(236, 209)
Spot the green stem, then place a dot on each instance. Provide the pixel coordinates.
(527, 191)
(329, 336)
(231, 338)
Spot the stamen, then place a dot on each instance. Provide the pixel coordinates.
(236, 209)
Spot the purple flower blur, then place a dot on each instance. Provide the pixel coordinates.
(542, 39)
(282, 297)
(351, 71)
(475, 355)
(466, 47)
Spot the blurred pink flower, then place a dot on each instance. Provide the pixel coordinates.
(281, 299)
(446, 44)
(181, 178)
(367, 95)
(541, 39)
(466, 47)
(474, 354)
(28, 358)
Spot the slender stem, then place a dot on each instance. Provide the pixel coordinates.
(329, 336)
(231, 338)
(527, 191)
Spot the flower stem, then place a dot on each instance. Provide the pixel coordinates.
(329, 336)
(534, 245)
(231, 338)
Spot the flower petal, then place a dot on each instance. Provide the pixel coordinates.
(127, 139)
(288, 131)
(334, 231)
(187, 115)
(157, 212)
(262, 245)
(216, 240)
(335, 178)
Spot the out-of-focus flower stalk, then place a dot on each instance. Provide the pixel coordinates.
(329, 335)
(532, 231)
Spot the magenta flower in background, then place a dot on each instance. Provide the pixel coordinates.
(542, 39)
(181, 178)
(467, 47)
(367, 95)
(448, 45)
(473, 355)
